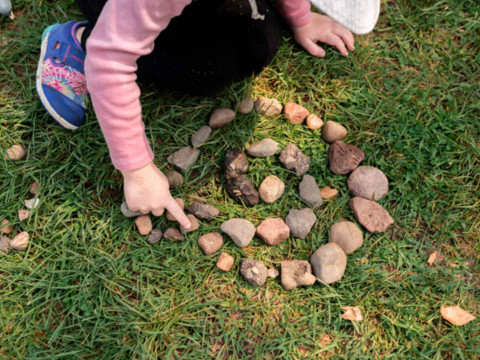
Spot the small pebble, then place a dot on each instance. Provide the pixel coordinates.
(184, 158)
(333, 131)
(300, 222)
(295, 113)
(263, 148)
(347, 235)
(245, 106)
(268, 107)
(33, 188)
(144, 224)
(194, 222)
(344, 158)
(327, 192)
(242, 190)
(254, 271)
(225, 261)
(201, 136)
(310, 192)
(20, 242)
(368, 182)
(314, 122)
(16, 152)
(371, 215)
(5, 228)
(272, 273)
(32, 203)
(23, 214)
(4, 244)
(273, 231)
(221, 117)
(175, 179)
(236, 163)
(127, 212)
(155, 236)
(293, 159)
(169, 215)
(329, 263)
(173, 234)
(210, 243)
(296, 273)
(241, 231)
(271, 189)
(203, 211)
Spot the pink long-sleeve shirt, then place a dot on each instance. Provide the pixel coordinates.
(125, 31)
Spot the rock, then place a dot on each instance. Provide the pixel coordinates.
(300, 222)
(368, 182)
(296, 273)
(295, 113)
(272, 273)
(273, 231)
(293, 159)
(175, 179)
(203, 211)
(155, 236)
(127, 212)
(201, 136)
(333, 131)
(173, 234)
(314, 122)
(144, 224)
(169, 215)
(32, 203)
(194, 222)
(327, 192)
(310, 192)
(33, 188)
(16, 152)
(267, 106)
(245, 106)
(221, 117)
(263, 148)
(344, 158)
(254, 271)
(4, 244)
(210, 243)
(347, 235)
(5, 228)
(236, 163)
(370, 214)
(329, 263)
(184, 158)
(242, 190)
(271, 189)
(225, 261)
(20, 242)
(241, 231)
(23, 214)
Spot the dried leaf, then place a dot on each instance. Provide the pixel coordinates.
(432, 258)
(456, 315)
(352, 313)
(326, 339)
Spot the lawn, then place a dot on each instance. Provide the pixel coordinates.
(89, 286)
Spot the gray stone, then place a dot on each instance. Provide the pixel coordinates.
(184, 158)
(241, 231)
(254, 271)
(329, 263)
(245, 106)
(20, 242)
(203, 211)
(347, 235)
(268, 107)
(4, 244)
(236, 163)
(263, 148)
(271, 189)
(368, 182)
(127, 212)
(155, 236)
(201, 136)
(300, 222)
(210, 243)
(293, 159)
(296, 273)
(310, 192)
(221, 117)
(173, 234)
(344, 158)
(370, 214)
(333, 131)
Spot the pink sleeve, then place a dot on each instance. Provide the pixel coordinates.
(125, 30)
(295, 12)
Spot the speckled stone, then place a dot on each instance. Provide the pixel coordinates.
(23, 214)
(4, 244)
(344, 158)
(296, 273)
(254, 271)
(203, 211)
(294, 159)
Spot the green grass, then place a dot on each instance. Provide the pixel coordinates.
(90, 287)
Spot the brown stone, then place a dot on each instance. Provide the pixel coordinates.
(20, 242)
(221, 117)
(327, 192)
(210, 243)
(194, 222)
(333, 131)
(271, 189)
(370, 214)
(296, 273)
(225, 261)
(295, 113)
(175, 179)
(273, 231)
(144, 224)
(5, 228)
(245, 106)
(169, 215)
(344, 158)
(173, 234)
(33, 188)
(314, 122)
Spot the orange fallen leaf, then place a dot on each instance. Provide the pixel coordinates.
(456, 315)
(433, 256)
(352, 313)
(326, 339)
(327, 192)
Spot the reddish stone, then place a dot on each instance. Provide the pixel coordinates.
(370, 214)
(273, 231)
(295, 113)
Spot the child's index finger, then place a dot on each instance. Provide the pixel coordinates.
(177, 212)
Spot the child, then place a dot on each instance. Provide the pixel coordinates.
(199, 46)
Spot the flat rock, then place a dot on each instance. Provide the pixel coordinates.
(155, 236)
(32, 203)
(210, 243)
(194, 222)
(221, 117)
(203, 211)
(296, 273)
(271, 189)
(300, 222)
(245, 106)
(310, 192)
(329, 263)
(20, 242)
(236, 163)
(344, 158)
(254, 271)
(268, 106)
(184, 158)
(272, 273)
(33, 188)
(242, 190)
(333, 131)
(294, 159)
(347, 235)
(175, 179)
(273, 231)
(173, 234)
(368, 182)
(327, 192)
(16, 152)
(4, 244)
(371, 215)
(6, 228)
(225, 261)
(201, 136)
(144, 224)
(295, 113)
(263, 148)
(169, 215)
(314, 122)
(127, 212)
(241, 231)
(23, 214)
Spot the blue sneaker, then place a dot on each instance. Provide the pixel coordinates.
(60, 81)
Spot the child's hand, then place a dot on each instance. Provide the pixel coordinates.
(146, 190)
(322, 28)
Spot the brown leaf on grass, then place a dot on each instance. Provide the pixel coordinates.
(326, 339)
(456, 315)
(352, 313)
(432, 258)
